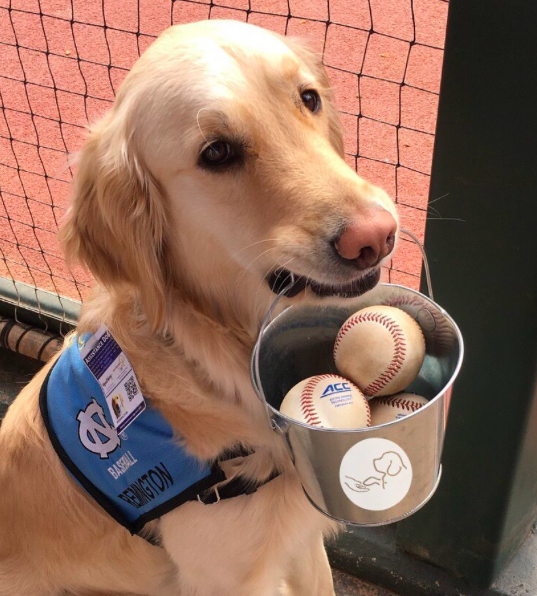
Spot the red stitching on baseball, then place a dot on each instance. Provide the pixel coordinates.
(367, 408)
(306, 401)
(401, 403)
(399, 351)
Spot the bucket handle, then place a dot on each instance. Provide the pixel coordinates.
(254, 363)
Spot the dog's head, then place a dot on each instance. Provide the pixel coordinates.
(219, 169)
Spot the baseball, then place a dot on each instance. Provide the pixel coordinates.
(327, 401)
(393, 407)
(381, 349)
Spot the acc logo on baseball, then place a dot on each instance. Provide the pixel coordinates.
(335, 388)
(94, 432)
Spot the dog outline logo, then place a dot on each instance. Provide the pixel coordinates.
(375, 474)
(92, 431)
(388, 464)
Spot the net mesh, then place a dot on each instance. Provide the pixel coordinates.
(62, 61)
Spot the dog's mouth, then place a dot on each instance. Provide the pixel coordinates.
(280, 278)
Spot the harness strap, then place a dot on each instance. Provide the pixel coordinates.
(237, 486)
(234, 488)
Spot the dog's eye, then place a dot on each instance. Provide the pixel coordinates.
(217, 153)
(311, 100)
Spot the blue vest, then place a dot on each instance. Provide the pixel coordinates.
(136, 475)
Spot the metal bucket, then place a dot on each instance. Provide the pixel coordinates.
(368, 476)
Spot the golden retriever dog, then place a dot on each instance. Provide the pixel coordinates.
(219, 169)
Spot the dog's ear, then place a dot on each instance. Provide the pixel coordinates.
(116, 224)
(302, 48)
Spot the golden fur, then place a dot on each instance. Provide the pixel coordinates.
(180, 254)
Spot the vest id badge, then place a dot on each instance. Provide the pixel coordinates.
(113, 371)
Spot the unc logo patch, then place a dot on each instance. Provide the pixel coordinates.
(97, 436)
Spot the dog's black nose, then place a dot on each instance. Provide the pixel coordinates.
(368, 240)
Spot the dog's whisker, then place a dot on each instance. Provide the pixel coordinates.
(282, 266)
(245, 270)
(310, 272)
(262, 309)
(438, 198)
(251, 245)
(433, 209)
(259, 256)
(264, 278)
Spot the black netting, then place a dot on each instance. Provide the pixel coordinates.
(61, 62)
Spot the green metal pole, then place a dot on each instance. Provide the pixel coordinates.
(483, 254)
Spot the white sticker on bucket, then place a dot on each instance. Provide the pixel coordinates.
(375, 474)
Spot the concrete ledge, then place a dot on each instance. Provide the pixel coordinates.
(372, 554)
